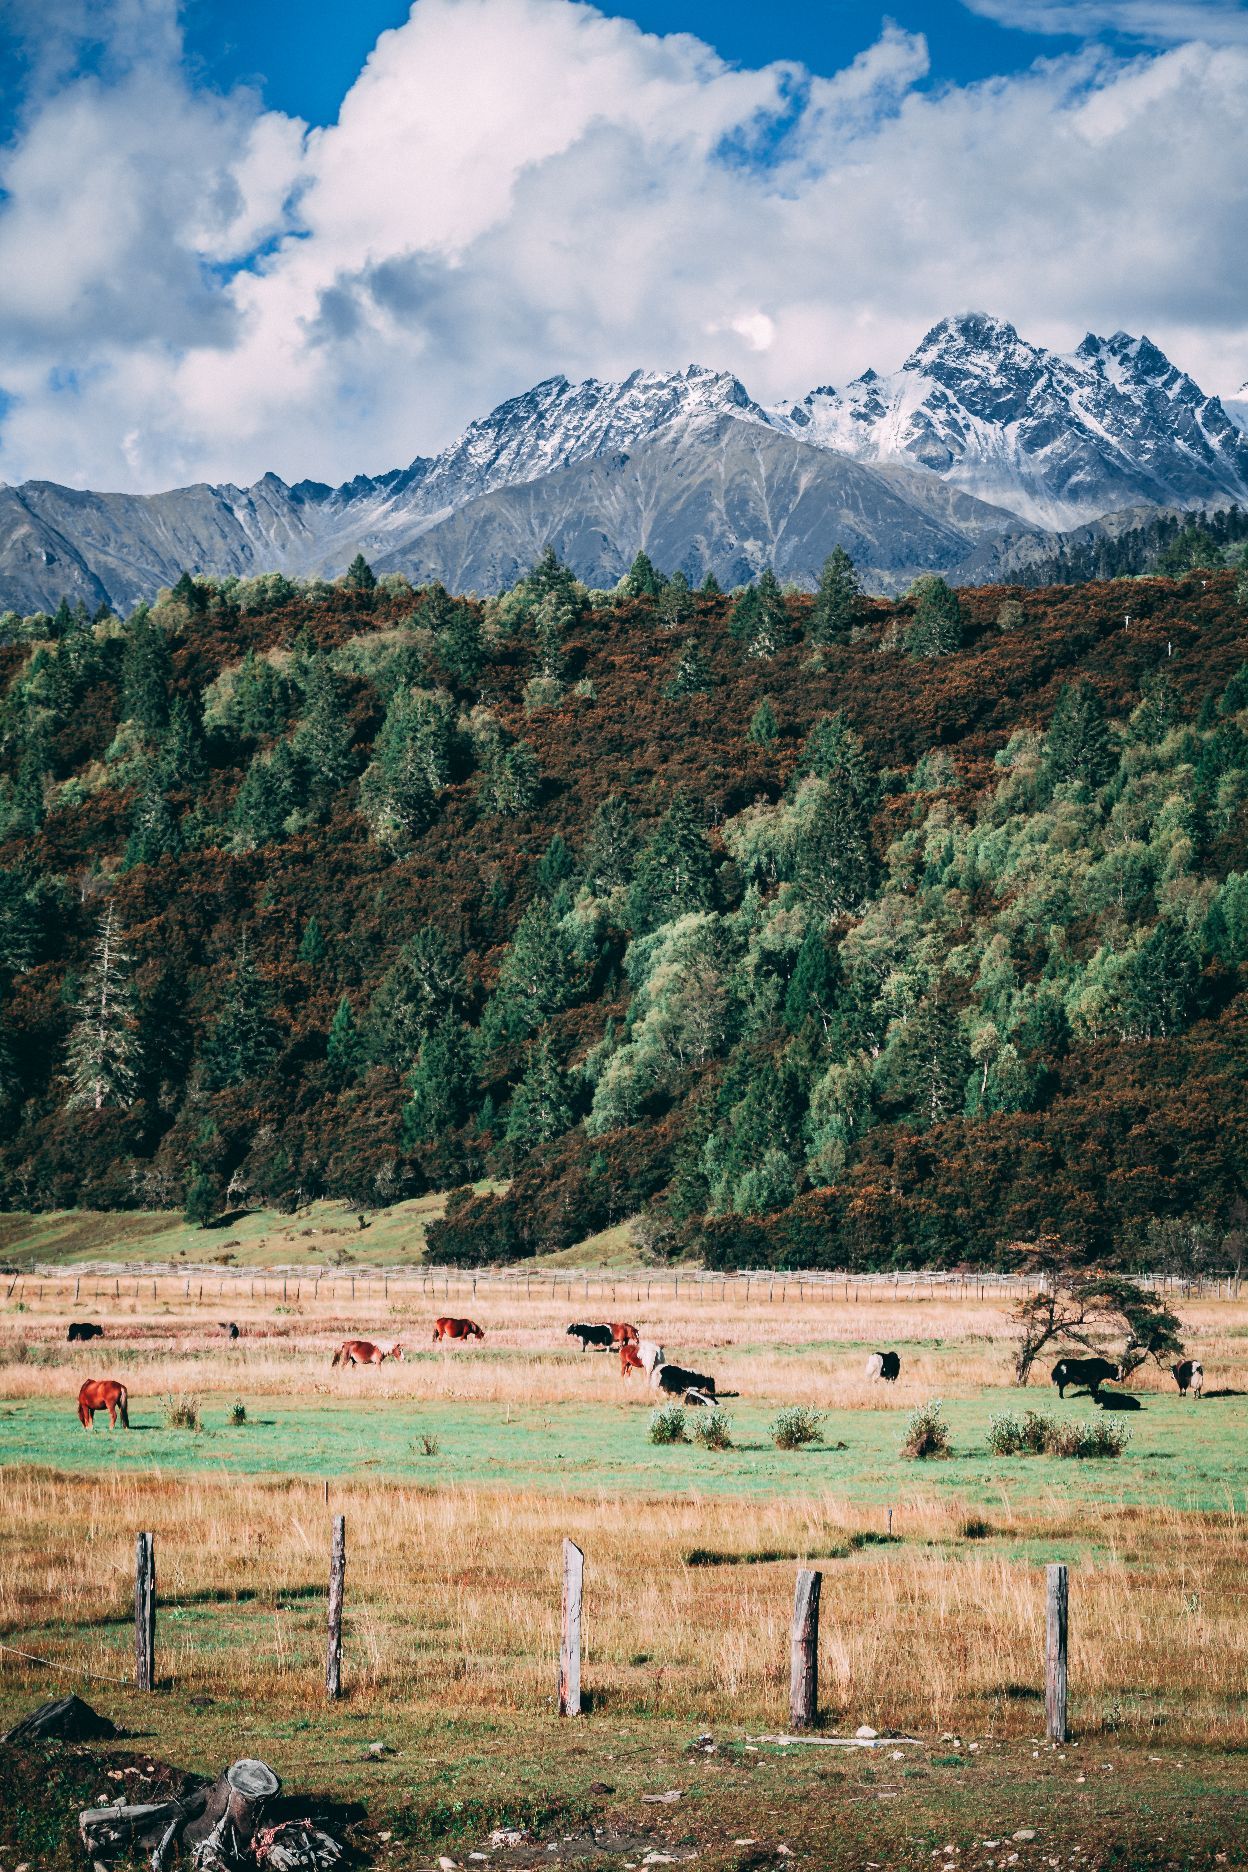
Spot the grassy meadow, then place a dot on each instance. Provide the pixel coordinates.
(461, 1469)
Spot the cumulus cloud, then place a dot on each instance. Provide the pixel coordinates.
(198, 287)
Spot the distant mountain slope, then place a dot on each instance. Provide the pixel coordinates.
(720, 495)
(975, 414)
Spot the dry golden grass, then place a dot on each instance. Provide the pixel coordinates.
(160, 1338)
(453, 1603)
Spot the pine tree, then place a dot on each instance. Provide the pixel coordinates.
(423, 986)
(1158, 709)
(763, 724)
(536, 977)
(271, 791)
(711, 587)
(691, 672)
(410, 751)
(459, 648)
(146, 672)
(154, 831)
(1079, 746)
(611, 848)
(835, 869)
(259, 704)
(676, 872)
(324, 738)
(676, 604)
(241, 1042)
(815, 984)
(509, 783)
(641, 580)
(540, 1108)
(440, 1086)
(202, 1203)
(837, 601)
(555, 867)
(934, 1062)
(103, 1052)
(550, 576)
(344, 1049)
(551, 621)
(360, 577)
(937, 626)
(312, 950)
(181, 762)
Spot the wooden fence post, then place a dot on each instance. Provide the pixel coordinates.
(804, 1666)
(145, 1613)
(1057, 1600)
(570, 1644)
(337, 1572)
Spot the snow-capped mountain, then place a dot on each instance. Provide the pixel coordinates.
(978, 429)
(1059, 440)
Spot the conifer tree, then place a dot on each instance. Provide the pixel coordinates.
(146, 672)
(154, 832)
(763, 724)
(611, 848)
(202, 1203)
(555, 867)
(1079, 745)
(440, 1086)
(937, 626)
(423, 986)
(934, 1061)
(459, 647)
(312, 950)
(676, 872)
(324, 738)
(509, 782)
(360, 577)
(269, 794)
(103, 1053)
(641, 580)
(691, 672)
(834, 869)
(814, 985)
(241, 1041)
(540, 1108)
(837, 601)
(711, 587)
(676, 604)
(258, 707)
(344, 1050)
(536, 977)
(181, 762)
(549, 576)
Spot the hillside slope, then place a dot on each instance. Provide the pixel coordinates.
(896, 946)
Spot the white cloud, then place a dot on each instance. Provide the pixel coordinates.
(519, 187)
(1155, 22)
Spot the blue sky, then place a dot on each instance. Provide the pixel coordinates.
(305, 54)
(242, 235)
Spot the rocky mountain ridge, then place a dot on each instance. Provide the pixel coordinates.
(978, 444)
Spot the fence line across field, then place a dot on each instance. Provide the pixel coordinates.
(569, 1701)
(752, 1286)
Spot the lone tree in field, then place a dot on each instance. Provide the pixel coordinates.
(1074, 1304)
(103, 1052)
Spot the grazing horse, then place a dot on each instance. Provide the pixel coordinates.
(642, 1357)
(363, 1352)
(456, 1329)
(103, 1394)
(622, 1334)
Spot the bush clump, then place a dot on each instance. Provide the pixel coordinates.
(927, 1433)
(182, 1412)
(1034, 1434)
(713, 1429)
(796, 1427)
(667, 1425)
(238, 1412)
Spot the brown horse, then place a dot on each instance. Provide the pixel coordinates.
(456, 1329)
(103, 1394)
(622, 1334)
(363, 1352)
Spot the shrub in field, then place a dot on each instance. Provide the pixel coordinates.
(668, 1425)
(1102, 1438)
(238, 1412)
(797, 1426)
(713, 1430)
(429, 1445)
(1033, 1434)
(927, 1433)
(182, 1412)
(974, 1527)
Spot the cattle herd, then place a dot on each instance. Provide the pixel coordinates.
(637, 1354)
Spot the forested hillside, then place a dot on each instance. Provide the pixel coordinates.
(811, 931)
